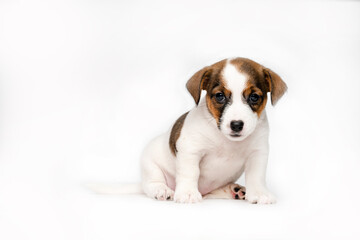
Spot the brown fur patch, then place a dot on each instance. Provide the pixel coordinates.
(215, 84)
(203, 78)
(277, 85)
(263, 78)
(257, 83)
(175, 132)
(259, 106)
(216, 109)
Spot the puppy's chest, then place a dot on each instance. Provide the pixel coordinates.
(223, 160)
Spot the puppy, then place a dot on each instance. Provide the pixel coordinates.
(223, 136)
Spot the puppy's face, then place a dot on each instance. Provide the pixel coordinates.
(237, 94)
(236, 99)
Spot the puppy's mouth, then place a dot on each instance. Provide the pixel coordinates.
(235, 135)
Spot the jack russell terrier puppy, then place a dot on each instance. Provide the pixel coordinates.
(209, 147)
(224, 135)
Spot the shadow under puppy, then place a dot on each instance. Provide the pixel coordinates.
(223, 136)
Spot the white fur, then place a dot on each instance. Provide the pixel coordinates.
(208, 158)
(238, 109)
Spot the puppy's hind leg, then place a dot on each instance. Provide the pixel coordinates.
(154, 182)
(230, 191)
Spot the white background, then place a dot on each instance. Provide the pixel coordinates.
(84, 85)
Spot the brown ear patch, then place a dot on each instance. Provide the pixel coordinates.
(203, 78)
(277, 85)
(198, 82)
(175, 132)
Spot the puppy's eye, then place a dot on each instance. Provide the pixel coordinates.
(220, 97)
(253, 98)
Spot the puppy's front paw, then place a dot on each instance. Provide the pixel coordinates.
(260, 196)
(159, 191)
(187, 196)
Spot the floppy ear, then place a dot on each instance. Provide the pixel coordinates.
(276, 85)
(198, 82)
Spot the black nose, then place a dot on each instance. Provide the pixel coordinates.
(236, 126)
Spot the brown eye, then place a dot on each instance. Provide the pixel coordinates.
(253, 98)
(220, 97)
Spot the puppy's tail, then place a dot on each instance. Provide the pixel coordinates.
(115, 188)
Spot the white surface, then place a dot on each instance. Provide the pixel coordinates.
(85, 84)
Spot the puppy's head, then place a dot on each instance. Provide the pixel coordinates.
(236, 94)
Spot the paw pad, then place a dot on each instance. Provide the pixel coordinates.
(238, 191)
